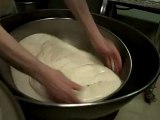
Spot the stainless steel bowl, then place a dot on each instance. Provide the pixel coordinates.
(72, 32)
(142, 51)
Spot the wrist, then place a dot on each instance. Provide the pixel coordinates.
(96, 39)
(41, 71)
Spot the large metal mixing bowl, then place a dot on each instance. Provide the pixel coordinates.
(144, 72)
(72, 32)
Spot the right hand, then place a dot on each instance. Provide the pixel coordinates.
(109, 52)
(59, 88)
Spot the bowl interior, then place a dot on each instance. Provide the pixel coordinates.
(72, 32)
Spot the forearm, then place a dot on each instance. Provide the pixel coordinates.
(81, 11)
(17, 56)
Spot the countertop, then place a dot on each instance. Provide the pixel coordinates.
(155, 4)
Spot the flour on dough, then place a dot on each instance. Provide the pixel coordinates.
(97, 81)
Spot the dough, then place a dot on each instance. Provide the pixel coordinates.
(97, 81)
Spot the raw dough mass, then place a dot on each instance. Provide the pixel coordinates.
(79, 66)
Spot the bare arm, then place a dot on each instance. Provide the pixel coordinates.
(80, 10)
(105, 47)
(57, 85)
(17, 55)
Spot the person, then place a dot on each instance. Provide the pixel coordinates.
(58, 86)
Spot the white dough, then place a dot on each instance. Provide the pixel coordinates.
(97, 81)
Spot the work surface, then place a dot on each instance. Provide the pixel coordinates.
(144, 3)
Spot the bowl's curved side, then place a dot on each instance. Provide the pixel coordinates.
(38, 110)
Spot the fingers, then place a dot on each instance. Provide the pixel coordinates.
(73, 85)
(66, 95)
(117, 61)
(62, 90)
(70, 83)
(108, 62)
(113, 61)
(114, 57)
(72, 98)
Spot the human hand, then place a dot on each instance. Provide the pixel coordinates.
(104, 47)
(109, 52)
(59, 88)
